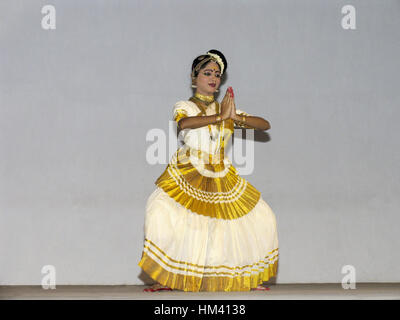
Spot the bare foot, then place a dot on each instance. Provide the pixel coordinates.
(157, 287)
(261, 288)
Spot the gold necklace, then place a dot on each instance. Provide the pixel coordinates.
(203, 112)
(207, 100)
(220, 126)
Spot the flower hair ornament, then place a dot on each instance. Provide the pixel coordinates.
(219, 60)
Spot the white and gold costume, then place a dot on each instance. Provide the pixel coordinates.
(207, 228)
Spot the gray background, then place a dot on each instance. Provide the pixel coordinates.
(77, 102)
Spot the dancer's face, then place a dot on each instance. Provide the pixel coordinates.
(208, 76)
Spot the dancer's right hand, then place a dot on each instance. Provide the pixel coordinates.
(226, 106)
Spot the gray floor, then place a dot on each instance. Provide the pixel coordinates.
(376, 291)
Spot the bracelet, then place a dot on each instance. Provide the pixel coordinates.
(241, 121)
(218, 118)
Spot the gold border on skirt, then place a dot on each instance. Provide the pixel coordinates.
(214, 283)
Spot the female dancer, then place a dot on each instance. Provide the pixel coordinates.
(207, 228)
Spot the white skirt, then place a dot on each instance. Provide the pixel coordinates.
(192, 252)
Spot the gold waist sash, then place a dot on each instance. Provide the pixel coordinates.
(207, 158)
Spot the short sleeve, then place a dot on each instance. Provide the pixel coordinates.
(183, 109)
(242, 113)
(180, 111)
(178, 115)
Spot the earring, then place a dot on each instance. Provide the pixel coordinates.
(217, 90)
(193, 85)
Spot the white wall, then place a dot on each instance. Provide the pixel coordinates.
(77, 102)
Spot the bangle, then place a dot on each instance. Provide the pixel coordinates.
(241, 122)
(218, 118)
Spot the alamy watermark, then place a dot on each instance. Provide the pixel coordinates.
(49, 278)
(163, 146)
(349, 280)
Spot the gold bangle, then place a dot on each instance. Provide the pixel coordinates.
(218, 118)
(244, 119)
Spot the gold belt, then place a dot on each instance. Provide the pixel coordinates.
(207, 157)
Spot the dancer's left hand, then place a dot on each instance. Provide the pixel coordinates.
(233, 109)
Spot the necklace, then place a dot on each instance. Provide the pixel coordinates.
(207, 100)
(220, 125)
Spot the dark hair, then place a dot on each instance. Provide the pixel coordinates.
(200, 59)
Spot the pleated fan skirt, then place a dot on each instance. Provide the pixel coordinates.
(208, 233)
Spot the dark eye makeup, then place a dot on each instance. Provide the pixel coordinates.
(209, 74)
